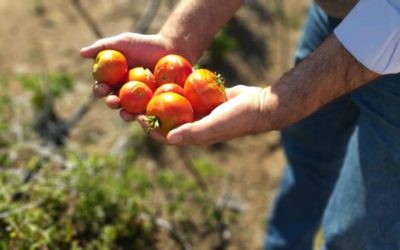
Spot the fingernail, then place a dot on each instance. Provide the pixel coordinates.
(175, 139)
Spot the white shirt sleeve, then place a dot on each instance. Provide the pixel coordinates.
(371, 33)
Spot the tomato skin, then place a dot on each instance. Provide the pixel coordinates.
(169, 87)
(171, 110)
(172, 68)
(134, 96)
(142, 75)
(110, 67)
(204, 90)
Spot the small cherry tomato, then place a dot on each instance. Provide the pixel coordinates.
(167, 111)
(110, 67)
(142, 75)
(134, 96)
(204, 90)
(172, 68)
(169, 87)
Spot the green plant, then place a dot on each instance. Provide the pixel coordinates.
(222, 44)
(46, 87)
(86, 206)
(5, 113)
(95, 203)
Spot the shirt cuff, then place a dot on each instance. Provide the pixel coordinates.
(371, 33)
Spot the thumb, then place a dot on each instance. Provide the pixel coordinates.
(115, 42)
(176, 136)
(92, 50)
(201, 132)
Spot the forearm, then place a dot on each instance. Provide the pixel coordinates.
(325, 75)
(193, 24)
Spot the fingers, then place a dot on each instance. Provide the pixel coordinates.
(115, 42)
(142, 120)
(101, 90)
(197, 133)
(92, 50)
(202, 132)
(235, 91)
(127, 116)
(113, 102)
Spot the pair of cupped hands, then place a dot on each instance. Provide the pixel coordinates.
(240, 115)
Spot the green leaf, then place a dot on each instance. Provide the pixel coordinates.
(222, 44)
(59, 83)
(205, 168)
(29, 82)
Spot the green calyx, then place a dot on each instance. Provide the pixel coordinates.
(154, 122)
(219, 80)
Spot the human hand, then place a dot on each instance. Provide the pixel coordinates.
(237, 117)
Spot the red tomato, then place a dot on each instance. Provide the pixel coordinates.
(110, 67)
(167, 111)
(204, 90)
(134, 96)
(172, 68)
(142, 75)
(169, 87)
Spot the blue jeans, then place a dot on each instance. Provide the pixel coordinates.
(343, 169)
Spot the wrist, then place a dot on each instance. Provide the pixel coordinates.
(175, 44)
(266, 118)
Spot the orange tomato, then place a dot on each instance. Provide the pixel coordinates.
(142, 75)
(169, 87)
(172, 68)
(134, 96)
(204, 90)
(110, 67)
(167, 111)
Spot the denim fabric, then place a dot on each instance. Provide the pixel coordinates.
(364, 209)
(343, 165)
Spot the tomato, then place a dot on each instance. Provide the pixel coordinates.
(172, 68)
(167, 111)
(169, 87)
(134, 96)
(204, 90)
(142, 75)
(110, 67)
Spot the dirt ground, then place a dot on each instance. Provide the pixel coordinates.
(45, 36)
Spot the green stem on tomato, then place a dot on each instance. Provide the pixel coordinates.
(154, 122)
(219, 80)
